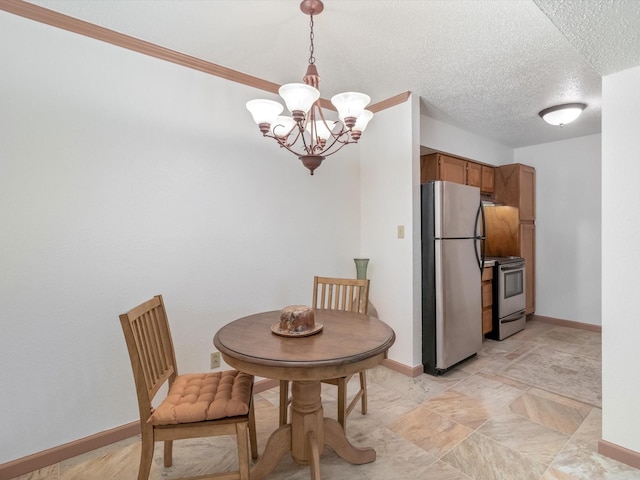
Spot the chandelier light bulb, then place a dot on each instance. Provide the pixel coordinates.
(299, 97)
(264, 112)
(361, 124)
(561, 115)
(350, 106)
(363, 120)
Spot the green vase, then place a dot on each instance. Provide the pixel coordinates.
(361, 267)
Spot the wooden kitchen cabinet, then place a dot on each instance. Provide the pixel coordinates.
(506, 235)
(474, 174)
(488, 179)
(528, 252)
(487, 300)
(452, 169)
(515, 186)
(438, 166)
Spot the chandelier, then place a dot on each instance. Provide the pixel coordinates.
(307, 133)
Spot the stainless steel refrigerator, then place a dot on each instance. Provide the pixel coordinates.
(452, 253)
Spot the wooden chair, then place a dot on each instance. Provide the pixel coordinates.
(336, 294)
(197, 405)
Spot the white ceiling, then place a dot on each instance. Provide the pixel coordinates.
(488, 66)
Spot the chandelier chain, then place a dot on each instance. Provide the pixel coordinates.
(312, 59)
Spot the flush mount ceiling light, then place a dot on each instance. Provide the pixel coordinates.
(307, 133)
(562, 114)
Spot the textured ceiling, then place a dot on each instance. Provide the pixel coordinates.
(488, 66)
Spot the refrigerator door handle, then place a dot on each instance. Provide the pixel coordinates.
(479, 257)
(480, 261)
(484, 234)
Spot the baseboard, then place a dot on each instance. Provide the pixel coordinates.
(60, 453)
(619, 453)
(567, 323)
(402, 368)
(57, 454)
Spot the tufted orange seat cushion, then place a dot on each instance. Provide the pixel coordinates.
(205, 396)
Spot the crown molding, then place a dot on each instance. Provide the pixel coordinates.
(71, 24)
(390, 102)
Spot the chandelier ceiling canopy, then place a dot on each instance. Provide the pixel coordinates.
(307, 133)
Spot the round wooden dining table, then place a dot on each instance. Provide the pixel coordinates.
(347, 343)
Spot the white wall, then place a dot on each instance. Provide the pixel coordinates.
(456, 141)
(116, 183)
(568, 228)
(567, 213)
(620, 259)
(390, 176)
(122, 176)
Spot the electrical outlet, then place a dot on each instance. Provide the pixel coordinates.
(215, 360)
(400, 231)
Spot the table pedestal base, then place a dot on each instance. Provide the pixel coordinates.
(307, 434)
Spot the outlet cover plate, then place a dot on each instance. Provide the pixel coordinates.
(215, 360)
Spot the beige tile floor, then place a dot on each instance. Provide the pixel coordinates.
(500, 415)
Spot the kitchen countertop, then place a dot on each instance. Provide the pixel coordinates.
(489, 263)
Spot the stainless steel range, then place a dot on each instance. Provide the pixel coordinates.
(509, 315)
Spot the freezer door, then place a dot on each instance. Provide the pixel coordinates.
(455, 207)
(458, 302)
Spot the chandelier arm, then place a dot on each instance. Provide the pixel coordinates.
(337, 139)
(330, 130)
(326, 152)
(313, 132)
(310, 123)
(344, 132)
(308, 148)
(283, 144)
(273, 129)
(288, 145)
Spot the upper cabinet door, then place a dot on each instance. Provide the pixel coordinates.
(474, 174)
(487, 179)
(527, 193)
(439, 166)
(515, 185)
(452, 169)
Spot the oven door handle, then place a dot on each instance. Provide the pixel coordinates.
(506, 268)
(513, 317)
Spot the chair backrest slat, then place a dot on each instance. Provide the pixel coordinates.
(146, 331)
(347, 294)
(158, 355)
(139, 336)
(356, 299)
(151, 345)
